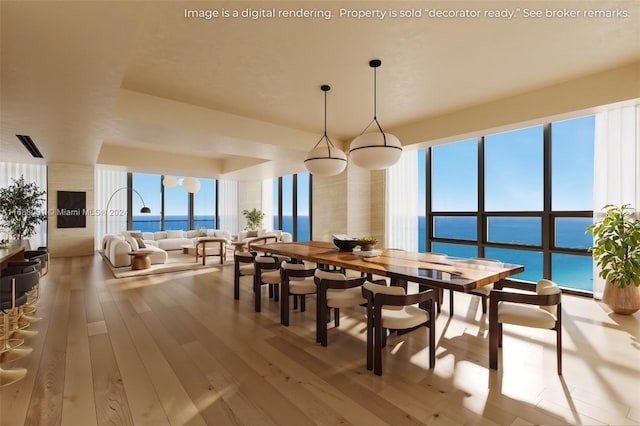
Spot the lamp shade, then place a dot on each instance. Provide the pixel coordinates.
(323, 161)
(369, 150)
(191, 184)
(169, 181)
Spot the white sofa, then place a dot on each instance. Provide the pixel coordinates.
(116, 249)
(283, 237)
(174, 240)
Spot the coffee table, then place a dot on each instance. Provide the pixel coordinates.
(140, 259)
(189, 249)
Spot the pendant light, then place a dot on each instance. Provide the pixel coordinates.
(375, 150)
(326, 159)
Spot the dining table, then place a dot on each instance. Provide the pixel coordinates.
(429, 269)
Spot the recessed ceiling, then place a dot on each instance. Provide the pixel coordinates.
(85, 78)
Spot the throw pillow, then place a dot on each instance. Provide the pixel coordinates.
(141, 243)
(135, 234)
(133, 243)
(251, 234)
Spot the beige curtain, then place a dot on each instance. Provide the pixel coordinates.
(617, 166)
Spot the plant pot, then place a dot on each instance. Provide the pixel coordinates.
(366, 247)
(623, 301)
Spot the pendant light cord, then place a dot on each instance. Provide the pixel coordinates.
(324, 136)
(375, 103)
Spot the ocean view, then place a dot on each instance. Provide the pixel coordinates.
(567, 270)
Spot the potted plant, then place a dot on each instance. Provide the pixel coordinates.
(21, 208)
(367, 243)
(616, 251)
(254, 218)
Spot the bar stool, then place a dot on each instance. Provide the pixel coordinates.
(13, 286)
(13, 295)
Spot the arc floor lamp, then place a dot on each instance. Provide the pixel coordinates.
(144, 208)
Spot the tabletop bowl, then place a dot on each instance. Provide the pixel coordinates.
(345, 245)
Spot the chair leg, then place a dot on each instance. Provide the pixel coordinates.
(236, 286)
(559, 339)
(324, 310)
(493, 337)
(319, 319)
(295, 302)
(451, 302)
(284, 306)
(432, 336)
(369, 341)
(257, 294)
(302, 303)
(484, 304)
(377, 348)
(270, 291)
(276, 292)
(336, 317)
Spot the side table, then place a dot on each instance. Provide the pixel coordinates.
(140, 260)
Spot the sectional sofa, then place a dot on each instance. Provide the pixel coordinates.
(116, 248)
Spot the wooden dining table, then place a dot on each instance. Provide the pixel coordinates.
(430, 269)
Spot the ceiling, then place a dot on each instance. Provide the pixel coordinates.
(139, 84)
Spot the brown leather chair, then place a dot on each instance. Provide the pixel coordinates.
(267, 273)
(243, 267)
(335, 291)
(296, 279)
(539, 308)
(391, 308)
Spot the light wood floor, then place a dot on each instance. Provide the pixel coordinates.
(177, 349)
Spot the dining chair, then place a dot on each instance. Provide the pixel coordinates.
(484, 291)
(267, 273)
(391, 308)
(538, 307)
(243, 267)
(296, 279)
(334, 291)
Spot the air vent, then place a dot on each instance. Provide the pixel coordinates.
(30, 145)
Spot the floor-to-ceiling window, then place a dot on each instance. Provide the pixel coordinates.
(204, 205)
(172, 208)
(292, 205)
(176, 208)
(523, 196)
(148, 188)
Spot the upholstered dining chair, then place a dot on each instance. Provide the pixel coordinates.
(296, 279)
(484, 291)
(335, 291)
(243, 267)
(258, 241)
(391, 308)
(540, 307)
(267, 273)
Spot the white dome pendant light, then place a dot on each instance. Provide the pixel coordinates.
(325, 160)
(375, 150)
